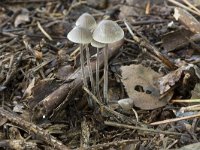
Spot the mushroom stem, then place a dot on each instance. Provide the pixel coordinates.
(90, 69)
(83, 72)
(105, 86)
(97, 74)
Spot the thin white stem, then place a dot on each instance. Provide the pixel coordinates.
(90, 69)
(105, 86)
(83, 71)
(97, 75)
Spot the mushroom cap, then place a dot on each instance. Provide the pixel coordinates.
(86, 21)
(97, 44)
(108, 31)
(80, 35)
(126, 104)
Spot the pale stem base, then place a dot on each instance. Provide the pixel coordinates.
(105, 87)
(97, 75)
(90, 70)
(83, 72)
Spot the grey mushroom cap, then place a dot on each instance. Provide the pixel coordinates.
(126, 104)
(86, 21)
(97, 44)
(80, 35)
(108, 31)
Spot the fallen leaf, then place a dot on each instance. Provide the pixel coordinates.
(21, 18)
(142, 87)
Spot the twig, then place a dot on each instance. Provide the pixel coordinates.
(191, 108)
(43, 31)
(185, 101)
(183, 6)
(192, 6)
(30, 127)
(175, 119)
(115, 124)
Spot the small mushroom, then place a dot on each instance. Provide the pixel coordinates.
(126, 104)
(97, 45)
(81, 36)
(87, 21)
(106, 32)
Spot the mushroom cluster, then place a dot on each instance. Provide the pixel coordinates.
(87, 31)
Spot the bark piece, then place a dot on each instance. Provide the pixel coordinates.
(30, 127)
(187, 19)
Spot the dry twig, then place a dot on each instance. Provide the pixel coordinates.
(176, 119)
(30, 127)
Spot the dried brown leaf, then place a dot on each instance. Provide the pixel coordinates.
(141, 86)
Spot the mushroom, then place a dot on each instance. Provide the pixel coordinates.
(87, 21)
(97, 45)
(81, 36)
(107, 31)
(126, 104)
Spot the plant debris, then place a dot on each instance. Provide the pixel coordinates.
(151, 100)
(142, 87)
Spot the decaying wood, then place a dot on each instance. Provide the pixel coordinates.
(30, 127)
(187, 19)
(57, 100)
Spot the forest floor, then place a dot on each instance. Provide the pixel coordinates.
(153, 76)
